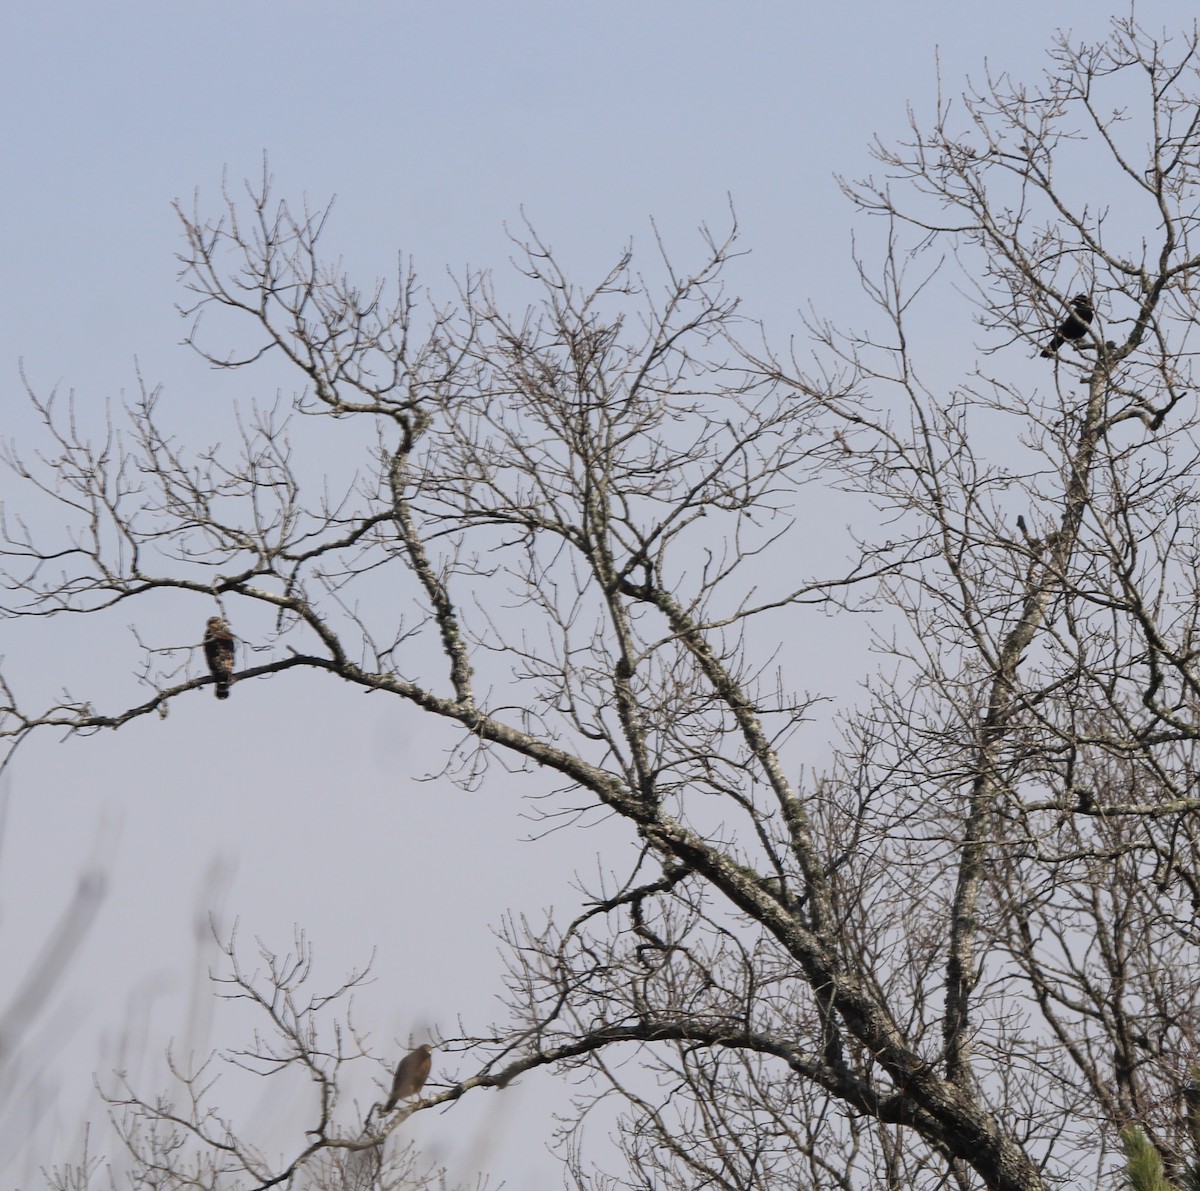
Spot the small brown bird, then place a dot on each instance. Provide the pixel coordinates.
(220, 646)
(410, 1075)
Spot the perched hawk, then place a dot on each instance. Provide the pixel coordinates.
(1073, 327)
(410, 1075)
(219, 648)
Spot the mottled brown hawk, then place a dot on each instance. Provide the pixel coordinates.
(220, 645)
(410, 1075)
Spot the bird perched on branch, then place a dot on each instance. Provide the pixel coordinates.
(220, 645)
(1073, 327)
(410, 1075)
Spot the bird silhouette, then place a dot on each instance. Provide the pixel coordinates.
(411, 1075)
(1073, 327)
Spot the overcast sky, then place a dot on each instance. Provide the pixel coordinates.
(436, 125)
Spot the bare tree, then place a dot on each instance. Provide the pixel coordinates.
(305, 1048)
(964, 951)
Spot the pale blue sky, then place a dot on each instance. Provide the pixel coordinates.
(434, 124)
